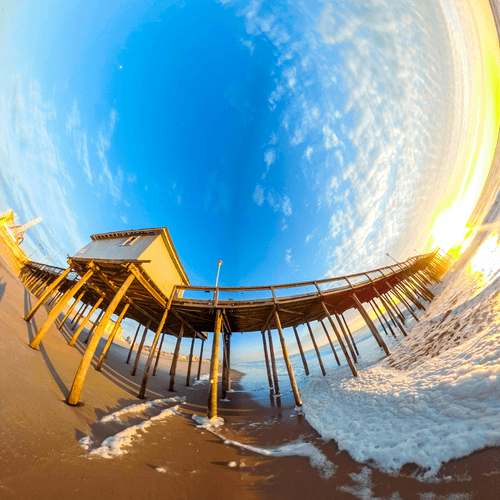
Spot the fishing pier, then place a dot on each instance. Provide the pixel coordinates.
(138, 275)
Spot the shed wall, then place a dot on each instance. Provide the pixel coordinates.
(111, 248)
(161, 269)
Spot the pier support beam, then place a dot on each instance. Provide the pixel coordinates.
(340, 341)
(289, 368)
(145, 377)
(173, 367)
(330, 341)
(201, 359)
(48, 292)
(59, 307)
(353, 350)
(70, 310)
(277, 393)
(84, 322)
(74, 396)
(304, 362)
(133, 343)
(214, 372)
(139, 351)
(111, 338)
(94, 326)
(370, 324)
(268, 368)
(190, 362)
(316, 349)
(158, 355)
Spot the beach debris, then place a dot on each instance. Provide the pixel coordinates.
(232, 464)
(160, 469)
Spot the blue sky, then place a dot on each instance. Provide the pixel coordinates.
(291, 140)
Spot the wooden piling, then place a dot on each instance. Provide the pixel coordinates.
(277, 393)
(94, 326)
(224, 366)
(304, 362)
(54, 313)
(201, 359)
(349, 333)
(346, 336)
(111, 338)
(269, 377)
(70, 310)
(173, 367)
(133, 343)
(190, 362)
(392, 314)
(214, 372)
(145, 377)
(76, 388)
(374, 302)
(48, 292)
(370, 324)
(158, 355)
(289, 368)
(78, 315)
(139, 351)
(84, 322)
(340, 341)
(316, 349)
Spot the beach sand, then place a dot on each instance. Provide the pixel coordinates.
(41, 456)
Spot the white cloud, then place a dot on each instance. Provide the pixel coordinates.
(286, 206)
(248, 44)
(309, 151)
(258, 195)
(288, 256)
(73, 118)
(111, 182)
(124, 219)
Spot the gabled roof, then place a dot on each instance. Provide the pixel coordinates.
(154, 231)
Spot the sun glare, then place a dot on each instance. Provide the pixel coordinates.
(486, 262)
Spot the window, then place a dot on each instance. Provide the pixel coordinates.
(130, 241)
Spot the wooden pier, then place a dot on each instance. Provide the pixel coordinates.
(129, 288)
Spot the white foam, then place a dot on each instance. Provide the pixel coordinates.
(207, 423)
(297, 448)
(437, 397)
(203, 379)
(86, 442)
(140, 408)
(115, 445)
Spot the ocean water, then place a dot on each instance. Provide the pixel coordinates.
(439, 389)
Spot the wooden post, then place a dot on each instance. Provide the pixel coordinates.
(370, 324)
(224, 365)
(70, 310)
(139, 351)
(228, 367)
(403, 300)
(269, 377)
(190, 362)
(173, 367)
(214, 373)
(59, 307)
(142, 392)
(330, 341)
(304, 362)
(50, 289)
(111, 338)
(316, 349)
(74, 396)
(94, 326)
(380, 316)
(289, 368)
(133, 343)
(396, 308)
(349, 333)
(79, 314)
(201, 359)
(391, 314)
(158, 355)
(273, 364)
(340, 341)
(348, 340)
(84, 322)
